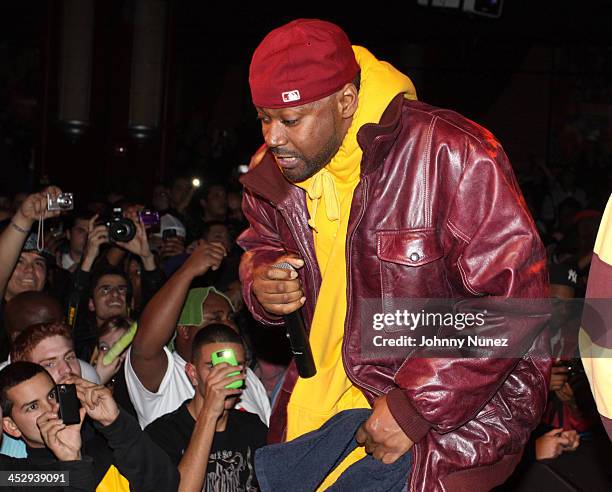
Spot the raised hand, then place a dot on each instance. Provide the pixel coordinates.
(206, 256)
(97, 235)
(106, 372)
(215, 391)
(139, 245)
(172, 246)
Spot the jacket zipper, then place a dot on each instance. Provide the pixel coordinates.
(415, 448)
(349, 296)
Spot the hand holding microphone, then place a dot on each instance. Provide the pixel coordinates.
(279, 291)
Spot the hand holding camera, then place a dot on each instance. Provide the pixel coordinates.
(36, 206)
(139, 243)
(172, 244)
(63, 440)
(97, 234)
(97, 400)
(221, 384)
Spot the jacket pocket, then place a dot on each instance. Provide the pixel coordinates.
(410, 247)
(408, 267)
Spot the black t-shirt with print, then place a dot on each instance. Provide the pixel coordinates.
(232, 455)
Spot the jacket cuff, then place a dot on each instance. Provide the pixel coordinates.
(413, 425)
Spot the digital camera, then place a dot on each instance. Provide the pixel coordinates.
(120, 229)
(63, 201)
(149, 218)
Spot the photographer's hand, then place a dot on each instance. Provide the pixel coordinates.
(172, 246)
(97, 235)
(139, 245)
(34, 206)
(97, 400)
(64, 441)
(13, 237)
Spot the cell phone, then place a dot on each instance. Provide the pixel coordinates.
(227, 355)
(168, 233)
(69, 404)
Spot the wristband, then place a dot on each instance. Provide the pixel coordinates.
(18, 228)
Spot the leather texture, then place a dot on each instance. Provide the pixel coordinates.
(437, 214)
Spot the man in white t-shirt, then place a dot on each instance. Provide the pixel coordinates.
(155, 376)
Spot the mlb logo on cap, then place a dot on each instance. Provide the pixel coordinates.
(291, 96)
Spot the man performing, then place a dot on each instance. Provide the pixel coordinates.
(373, 195)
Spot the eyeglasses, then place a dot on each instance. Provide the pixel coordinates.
(107, 289)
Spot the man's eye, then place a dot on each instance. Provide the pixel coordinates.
(290, 122)
(70, 357)
(49, 365)
(32, 407)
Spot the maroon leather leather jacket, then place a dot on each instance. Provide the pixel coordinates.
(437, 214)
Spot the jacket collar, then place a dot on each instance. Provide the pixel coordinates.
(375, 139)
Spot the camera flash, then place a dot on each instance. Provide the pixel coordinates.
(195, 182)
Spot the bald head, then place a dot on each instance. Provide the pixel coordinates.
(30, 308)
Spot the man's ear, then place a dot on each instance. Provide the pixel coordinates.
(191, 373)
(92, 308)
(9, 426)
(348, 100)
(183, 331)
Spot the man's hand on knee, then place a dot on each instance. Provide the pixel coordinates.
(381, 435)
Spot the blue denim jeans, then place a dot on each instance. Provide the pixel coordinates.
(302, 464)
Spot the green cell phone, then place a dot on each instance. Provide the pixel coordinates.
(228, 356)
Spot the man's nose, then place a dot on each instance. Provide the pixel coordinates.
(275, 135)
(64, 368)
(49, 406)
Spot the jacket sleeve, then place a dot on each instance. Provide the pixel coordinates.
(137, 457)
(493, 250)
(262, 245)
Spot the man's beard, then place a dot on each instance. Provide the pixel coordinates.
(313, 165)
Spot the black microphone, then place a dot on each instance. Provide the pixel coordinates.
(296, 333)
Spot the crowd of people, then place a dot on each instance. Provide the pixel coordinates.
(71, 292)
(137, 321)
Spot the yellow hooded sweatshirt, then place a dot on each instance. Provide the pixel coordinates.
(329, 194)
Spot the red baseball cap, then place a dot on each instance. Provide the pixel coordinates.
(301, 62)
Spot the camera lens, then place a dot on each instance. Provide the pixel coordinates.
(122, 230)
